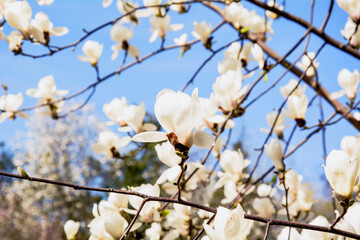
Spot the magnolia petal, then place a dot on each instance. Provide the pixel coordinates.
(170, 174)
(106, 3)
(150, 136)
(60, 31)
(203, 139)
(134, 51)
(149, 127)
(23, 115)
(99, 148)
(336, 95)
(125, 129)
(212, 234)
(32, 92)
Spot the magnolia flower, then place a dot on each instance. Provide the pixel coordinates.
(228, 90)
(178, 7)
(308, 63)
(3, 5)
(202, 31)
(18, 15)
(160, 25)
(9, 103)
(352, 33)
(297, 107)
(134, 117)
(239, 52)
(179, 219)
(286, 235)
(263, 207)
(14, 40)
(125, 7)
(181, 41)
(233, 164)
(166, 154)
(107, 224)
(265, 190)
(153, 10)
(289, 88)
(237, 15)
(71, 228)
(115, 110)
(258, 55)
(122, 35)
(351, 145)
(279, 125)
(92, 51)
(154, 232)
(352, 7)
(109, 143)
(46, 89)
(273, 4)
(106, 3)
(45, 2)
(178, 114)
(349, 82)
(149, 211)
(319, 221)
(229, 225)
(352, 216)
(274, 150)
(305, 197)
(41, 28)
(341, 172)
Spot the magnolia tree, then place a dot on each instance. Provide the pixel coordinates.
(191, 134)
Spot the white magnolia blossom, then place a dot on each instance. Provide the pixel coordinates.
(109, 143)
(258, 55)
(229, 225)
(3, 5)
(122, 35)
(265, 190)
(166, 154)
(41, 28)
(202, 31)
(92, 51)
(115, 110)
(263, 207)
(178, 219)
(106, 3)
(279, 125)
(18, 15)
(319, 221)
(273, 4)
(178, 7)
(178, 114)
(240, 17)
(350, 34)
(286, 235)
(108, 224)
(228, 90)
(154, 232)
(46, 89)
(352, 7)
(341, 171)
(9, 103)
(14, 39)
(352, 217)
(149, 211)
(289, 88)
(71, 228)
(308, 63)
(274, 150)
(160, 26)
(154, 10)
(127, 6)
(351, 145)
(349, 81)
(233, 165)
(297, 107)
(45, 2)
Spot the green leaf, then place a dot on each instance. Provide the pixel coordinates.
(265, 77)
(165, 212)
(274, 178)
(244, 30)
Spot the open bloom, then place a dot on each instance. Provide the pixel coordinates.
(352, 7)
(297, 107)
(92, 51)
(279, 125)
(166, 154)
(18, 15)
(202, 31)
(308, 63)
(122, 35)
(160, 26)
(289, 88)
(228, 90)
(341, 171)
(9, 103)
(46, 89)
(109, 143)
(229, 225)
(14, 40)
(274, 150)
(41, 28)
(273, 4)
(263, 207)
(349, 82)
(178, 114)
(351, 33)
(71, 228)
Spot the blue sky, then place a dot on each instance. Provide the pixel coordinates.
(143, 82)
